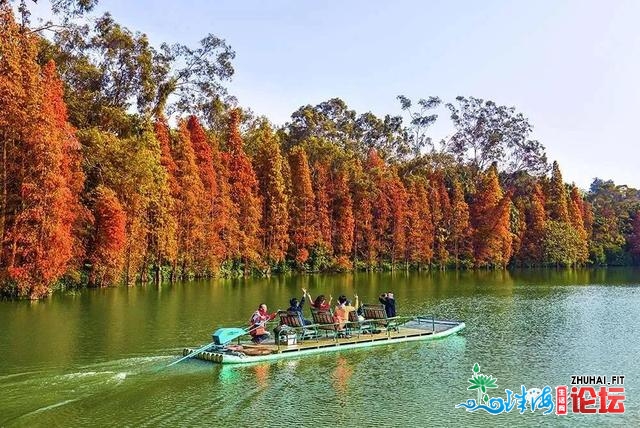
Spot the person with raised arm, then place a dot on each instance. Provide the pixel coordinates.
(258, 321)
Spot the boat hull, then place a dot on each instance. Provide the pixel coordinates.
(407, 332)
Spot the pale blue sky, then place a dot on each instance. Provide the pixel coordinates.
(572, 67)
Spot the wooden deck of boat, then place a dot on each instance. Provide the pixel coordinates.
(405, 331)
(419, 328)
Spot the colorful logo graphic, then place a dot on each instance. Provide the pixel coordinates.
(583, 399)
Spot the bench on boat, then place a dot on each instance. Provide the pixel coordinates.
(356, 326)
(377, 316)
(294, 321)
(326, 321)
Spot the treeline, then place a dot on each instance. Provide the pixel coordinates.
(97, 188)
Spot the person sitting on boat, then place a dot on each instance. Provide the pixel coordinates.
(296, 306)
(341, 312)
(258, 320)
(389, 303)
(320, 303)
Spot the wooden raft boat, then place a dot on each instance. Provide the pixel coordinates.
(367, 335)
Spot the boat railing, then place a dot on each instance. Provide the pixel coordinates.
(426, 319)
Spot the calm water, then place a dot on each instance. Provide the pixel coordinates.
(95, 358)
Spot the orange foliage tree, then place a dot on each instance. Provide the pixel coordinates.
(460, 227)
(440, 215)
(531, 251)
(190, 204)
(398, 202)
(382, 238)
(107, 251)
(301, 206)
(364, 234)
(322, 185)
(575, 212)
(490, 218)
(243, 187)
(419, 226)
(213, 250)
(40, 175)
(343, 222)
(275, 215)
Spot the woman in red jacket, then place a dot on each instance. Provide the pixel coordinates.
(258, 320)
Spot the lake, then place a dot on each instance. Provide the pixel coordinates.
(97, 357)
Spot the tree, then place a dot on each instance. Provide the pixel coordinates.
(557, 199)
(634, 238)
(301, 206)
(191, 204)
(381, 244)
(460, 238)
(488, 133)
(213, 248)
(364, 242)
(440, 213)
(398, 202)
(107, 251)
(110, 67)
(575, 210)
(342, 215)
(561, 244)
(531, 251)
(613, 208)
(419, 226)
(420, 121)
(322, 186)
(490, 213)
(39, 167)
(243, 187)
(275, 216)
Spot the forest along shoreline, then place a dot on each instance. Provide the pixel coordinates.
(112, 178)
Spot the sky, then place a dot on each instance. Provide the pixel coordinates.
(571, 67)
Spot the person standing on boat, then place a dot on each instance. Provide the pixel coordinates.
(258, 320)
(389, 303)
(296, 306)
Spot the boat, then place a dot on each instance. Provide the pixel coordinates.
(290, 343)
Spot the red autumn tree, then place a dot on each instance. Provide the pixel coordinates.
(40, 174)
(190, 204)
(229, 211)
(440, 214)
(460, 228)
(419, 227)
(342, 208)
(213, 249)
(109, 243)
(490, 212)
(244, 194)
(167, 245)
(382, 240)
(275, 216)
(575, 212)
(398, 201)
(301, 205)
(531, 250)
(364, 234)
(323, 206)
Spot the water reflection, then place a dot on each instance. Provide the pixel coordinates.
(261, 374)
(340, 377)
